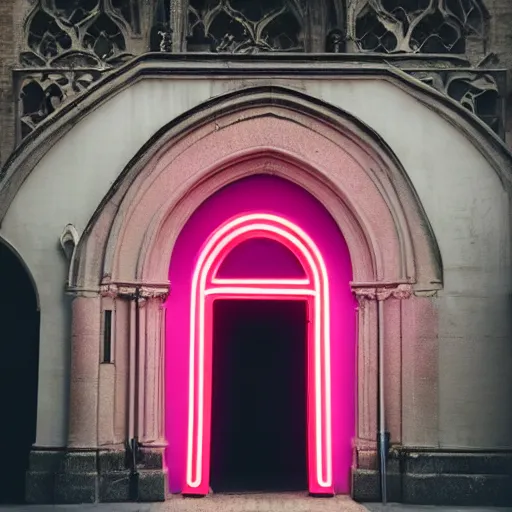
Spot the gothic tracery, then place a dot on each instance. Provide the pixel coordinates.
(239, 26)
(416, 26)
(70, 44)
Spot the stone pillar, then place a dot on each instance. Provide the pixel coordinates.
(151, 386)
(365, 475)
(143, 337)
(76, 480)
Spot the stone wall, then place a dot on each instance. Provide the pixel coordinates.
(14, 12)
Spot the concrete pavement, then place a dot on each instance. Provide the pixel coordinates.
(283, 502)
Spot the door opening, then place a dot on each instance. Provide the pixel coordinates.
(259, 390)
(19, 357)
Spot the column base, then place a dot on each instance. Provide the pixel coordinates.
(115, 476)
(40, 477)
(440, 478)
(75, 477)
(152, 479)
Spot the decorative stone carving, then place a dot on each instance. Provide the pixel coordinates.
(160, 37)
(477, 91)
(416, 26)
(377, 291)
(77, 41)
(140, 290)
(78, 32)
(336, 40)
(42, 93)
(239, 26)
(68, 241)
(71, 44)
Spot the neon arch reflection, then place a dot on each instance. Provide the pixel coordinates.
(207, 287)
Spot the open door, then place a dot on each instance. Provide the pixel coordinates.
(19, 359)
(259, 420)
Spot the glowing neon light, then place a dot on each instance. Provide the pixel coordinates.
(206, 287)
(259, 291)
(263, 282)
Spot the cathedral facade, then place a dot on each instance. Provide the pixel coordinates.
(256, 246)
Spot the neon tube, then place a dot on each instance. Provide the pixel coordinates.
(317, 288)
(240, 282)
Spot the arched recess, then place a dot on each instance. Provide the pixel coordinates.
(122, 259)
(19, 359)
(270, 273)
(354, 150)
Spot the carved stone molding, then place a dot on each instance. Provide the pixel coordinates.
(482, 92)
(41, 93)
(68, 45)
(68, 241)
(131, 290)
(63, 33)
(382, 292)
(421, 26)
(245, 27)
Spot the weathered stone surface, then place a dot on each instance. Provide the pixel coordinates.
(152, 485)
(430, 478)
(115, 487)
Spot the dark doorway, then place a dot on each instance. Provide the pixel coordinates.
(259, 396)
(19, 356)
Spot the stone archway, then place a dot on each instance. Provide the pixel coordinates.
(122, 260)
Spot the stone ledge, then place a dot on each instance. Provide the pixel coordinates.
(458, 490)
(458, 463)
(75, 477)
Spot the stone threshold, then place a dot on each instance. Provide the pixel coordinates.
(259, 502)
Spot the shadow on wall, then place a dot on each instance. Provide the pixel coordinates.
(19, 357)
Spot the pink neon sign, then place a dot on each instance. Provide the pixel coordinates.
(207, 286)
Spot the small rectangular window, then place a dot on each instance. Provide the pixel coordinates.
(107, 337)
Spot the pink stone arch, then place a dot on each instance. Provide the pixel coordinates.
(274, 131)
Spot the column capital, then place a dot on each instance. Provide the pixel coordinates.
(144, 291)
(381, 291)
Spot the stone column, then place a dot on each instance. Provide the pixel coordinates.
(85, 358)
(150, 388)
(366, 484)
(143, 337)
(76, 479)
(365, 443)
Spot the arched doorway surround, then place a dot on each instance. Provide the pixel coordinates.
(122, 259)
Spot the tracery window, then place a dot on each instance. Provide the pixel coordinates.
(106, 32)
(79, 32)
(70, 44)
(417, 26)
(245, 26)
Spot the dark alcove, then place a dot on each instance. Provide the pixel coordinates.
(19, 357)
